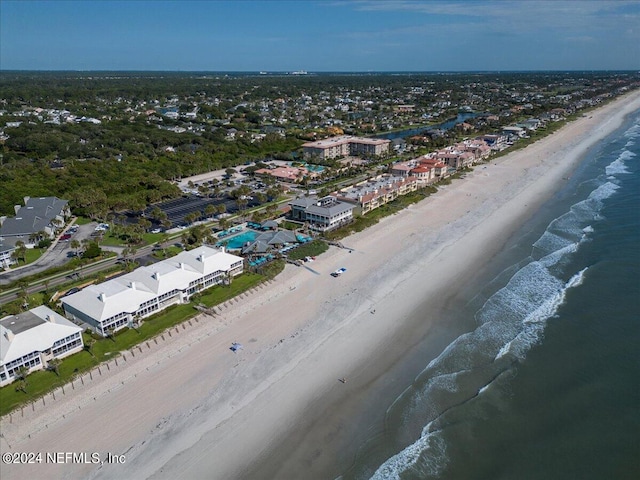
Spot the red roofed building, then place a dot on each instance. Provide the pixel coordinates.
(285, 174)
(424, 173)
(440, 169)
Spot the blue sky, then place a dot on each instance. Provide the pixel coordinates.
(326, 35)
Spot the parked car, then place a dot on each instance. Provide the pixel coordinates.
(338, 272)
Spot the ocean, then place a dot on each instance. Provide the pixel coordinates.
(546, 382)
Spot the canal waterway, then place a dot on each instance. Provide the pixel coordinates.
(447, 125)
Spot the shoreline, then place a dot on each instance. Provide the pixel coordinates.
(189, 407)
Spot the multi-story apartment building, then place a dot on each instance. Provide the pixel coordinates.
(322, 214)
(33, 338)
(125, 300)
(343, 146)
(377, 191)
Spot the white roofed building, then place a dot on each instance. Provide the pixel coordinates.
(322, 214)
(124, 300)
(31, 339)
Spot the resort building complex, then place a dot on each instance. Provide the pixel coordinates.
(123, 301)
(344, 145)
(33, 338)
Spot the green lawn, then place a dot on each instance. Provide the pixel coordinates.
(311, 249)
(83, 220)
(221, 293)
(33, 254)
(150, 238)
(111, 241)
(167, 252)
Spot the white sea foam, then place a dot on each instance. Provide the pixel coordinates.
(428, 454)
(633, 132)
(618, 166)
(555, 257)
(535, 323)
(568, 228)
(484, 389)
(603, 192)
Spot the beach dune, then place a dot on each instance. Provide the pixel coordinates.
(189, 407)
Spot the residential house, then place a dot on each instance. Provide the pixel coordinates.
(514, 132)
(7, 247)
(495, 142)
(402, 169)
(43, 214)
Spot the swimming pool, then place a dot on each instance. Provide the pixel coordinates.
(237, 242)
(308, 166)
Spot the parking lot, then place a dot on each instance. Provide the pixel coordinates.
(178, 209)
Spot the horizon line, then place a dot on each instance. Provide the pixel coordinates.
(302, 73)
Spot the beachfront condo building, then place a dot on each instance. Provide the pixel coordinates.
(125, 300)
(343, 146)
(377, 191)
(321, 214)
(33, 338)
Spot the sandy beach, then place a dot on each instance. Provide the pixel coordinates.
(187, 407)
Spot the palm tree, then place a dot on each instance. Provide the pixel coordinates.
(135, 323)
(21, 251)
(21, 375)
(88, 345)
(224, 223)
(54, 365)
(22, 372)
(21, 386)
(34, 237)
(210, 210)
(57, 223)
(192, 217)
(75, 244)
(242, 205)
(108, 333)
(128, 253)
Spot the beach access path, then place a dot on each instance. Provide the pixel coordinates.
(188, 407)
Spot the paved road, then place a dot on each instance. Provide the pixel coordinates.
(56, 255)
(143, 253)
